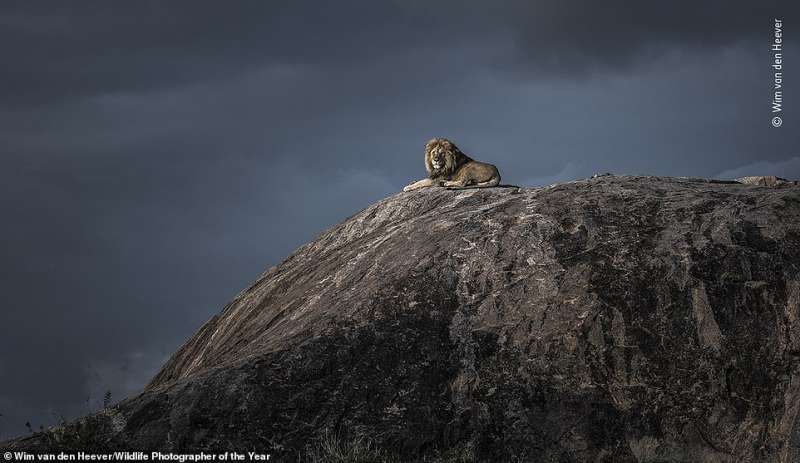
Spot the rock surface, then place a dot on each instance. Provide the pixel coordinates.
(614, 319)
(765, 180)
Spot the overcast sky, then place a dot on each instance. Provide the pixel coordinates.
(157, 156)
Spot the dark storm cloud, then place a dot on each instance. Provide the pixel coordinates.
(73, 50)
(157, 156)
(68, 50)
(566, 38)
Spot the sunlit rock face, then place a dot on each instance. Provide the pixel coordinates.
(614, 319)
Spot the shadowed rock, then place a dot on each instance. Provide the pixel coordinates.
(616, 319)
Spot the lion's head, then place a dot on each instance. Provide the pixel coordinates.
(442, 157)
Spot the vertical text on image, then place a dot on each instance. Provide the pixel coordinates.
(777, 66)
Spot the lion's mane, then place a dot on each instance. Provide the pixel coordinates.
(454, 158)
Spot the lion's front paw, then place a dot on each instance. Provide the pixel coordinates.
(408, 187)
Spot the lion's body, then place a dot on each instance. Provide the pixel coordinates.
(448, 167)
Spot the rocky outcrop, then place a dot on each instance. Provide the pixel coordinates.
(614, 319)
(765, 180)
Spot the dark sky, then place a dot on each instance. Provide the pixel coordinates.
(157, 156)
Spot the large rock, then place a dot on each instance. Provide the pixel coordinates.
(614, 319)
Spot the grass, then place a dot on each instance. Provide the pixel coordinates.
(331, 448)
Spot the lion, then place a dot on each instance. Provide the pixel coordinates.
(449, 167)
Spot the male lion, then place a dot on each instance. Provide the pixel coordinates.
(447, 166)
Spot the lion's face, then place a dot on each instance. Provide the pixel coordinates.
(437, 158)
(440, 156)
